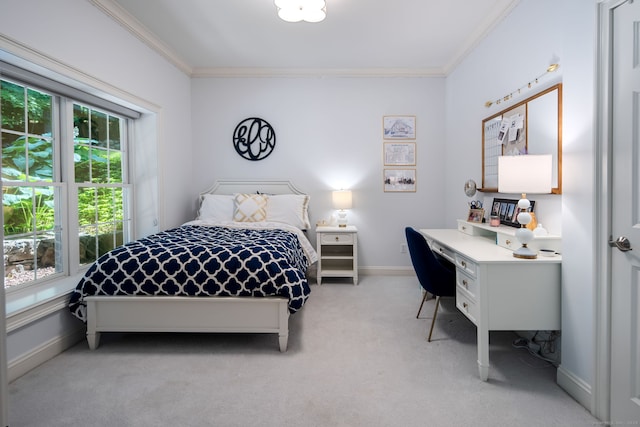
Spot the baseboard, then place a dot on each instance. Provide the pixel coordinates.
(373, 271)
(42, 353)
(386, 271)
(575, 387)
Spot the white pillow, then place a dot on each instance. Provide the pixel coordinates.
(291, 209)
(216, 207)
(250, 207)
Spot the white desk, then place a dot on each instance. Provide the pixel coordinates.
(497, 291)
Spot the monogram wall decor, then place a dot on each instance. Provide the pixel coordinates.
(254, 138)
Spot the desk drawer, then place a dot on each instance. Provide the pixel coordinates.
(465, 228)
(443, 251)
(467, 283)
(466, 265)
(336, 238)
(507, 241)
(467, 306)
(474, 228)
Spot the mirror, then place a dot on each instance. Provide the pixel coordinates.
(533, 126)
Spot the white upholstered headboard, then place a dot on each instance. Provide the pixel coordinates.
(231, 186)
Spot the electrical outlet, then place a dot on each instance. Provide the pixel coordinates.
(403, 248)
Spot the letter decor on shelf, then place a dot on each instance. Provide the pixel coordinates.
(254, 138)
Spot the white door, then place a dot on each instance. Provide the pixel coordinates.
(625, 198)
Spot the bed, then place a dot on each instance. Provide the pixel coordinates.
(239, 267)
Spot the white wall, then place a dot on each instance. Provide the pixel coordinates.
(74, 39)
(81, 39)
(535, 34)
(328, 136)
(578, 210)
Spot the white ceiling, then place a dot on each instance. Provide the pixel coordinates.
(394, 37)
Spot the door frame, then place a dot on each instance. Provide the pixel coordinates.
(601, 388)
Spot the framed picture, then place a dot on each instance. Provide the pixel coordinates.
(399, 127)
(399, 180)
(399, 154)
(475, 215)
(507, 210)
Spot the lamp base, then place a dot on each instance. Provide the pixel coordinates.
(525, 252)
(342, 218)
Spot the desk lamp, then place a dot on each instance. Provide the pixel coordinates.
(342, 200)
(524, 174)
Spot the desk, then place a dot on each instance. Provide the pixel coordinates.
(497, 291)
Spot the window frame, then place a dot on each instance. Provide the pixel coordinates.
(62, 130)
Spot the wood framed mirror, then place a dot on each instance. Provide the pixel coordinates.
(533, 126)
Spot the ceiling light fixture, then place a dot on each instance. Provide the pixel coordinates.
(301, 10)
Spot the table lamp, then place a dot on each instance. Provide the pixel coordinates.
(524, 174)
(342, 200)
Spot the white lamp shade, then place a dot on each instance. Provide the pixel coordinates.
(525, 174)
(342, 199)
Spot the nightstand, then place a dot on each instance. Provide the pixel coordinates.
(337, 249)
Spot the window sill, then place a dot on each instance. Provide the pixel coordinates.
(27, 305)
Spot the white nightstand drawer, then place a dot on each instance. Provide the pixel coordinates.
(467, 306)
(467, 283)
(336, 238)
(466, 265)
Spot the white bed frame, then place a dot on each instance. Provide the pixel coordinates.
(195, 314)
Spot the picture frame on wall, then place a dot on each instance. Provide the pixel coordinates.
(399, 180)
(399, 154)
(399, 127)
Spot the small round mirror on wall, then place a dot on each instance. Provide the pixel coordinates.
(470, 188)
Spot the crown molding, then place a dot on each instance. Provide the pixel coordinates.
(479, 35)
(135, 27)
(131, 24)
(240, 72)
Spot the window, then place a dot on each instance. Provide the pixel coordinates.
(65, 190)
(99, 178)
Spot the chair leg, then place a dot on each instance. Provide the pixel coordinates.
(435, 313)
(424, 298)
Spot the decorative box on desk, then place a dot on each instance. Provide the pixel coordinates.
(337, 249)
(505, 236)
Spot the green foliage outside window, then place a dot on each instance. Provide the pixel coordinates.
(24, 205)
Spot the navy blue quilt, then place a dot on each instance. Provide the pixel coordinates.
(201, 261)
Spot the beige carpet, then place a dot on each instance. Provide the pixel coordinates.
(357, 357)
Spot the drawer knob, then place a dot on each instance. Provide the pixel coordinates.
(508, 242)
(465, 284)
(464, 228)
(464, 264)
(465, 305)
(337, 239)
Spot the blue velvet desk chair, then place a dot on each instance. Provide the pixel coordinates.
(436, 275)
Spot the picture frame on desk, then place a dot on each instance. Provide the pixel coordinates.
(508, 211)
(475, 215)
